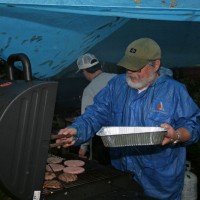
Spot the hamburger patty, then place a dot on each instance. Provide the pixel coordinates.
(53, 184)
(54, 160)
(74, 170)
(49, 176)
(54, 167)
(74, 163)
(67, 177)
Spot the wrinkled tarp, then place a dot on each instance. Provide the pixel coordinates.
(143, 9)
(54, 33)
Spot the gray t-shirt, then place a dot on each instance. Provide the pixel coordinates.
(97, 84)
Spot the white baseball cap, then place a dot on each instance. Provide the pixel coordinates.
(86, 61)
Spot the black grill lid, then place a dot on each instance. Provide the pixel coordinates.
(26, 113)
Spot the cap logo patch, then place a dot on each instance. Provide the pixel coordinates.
(132, 50)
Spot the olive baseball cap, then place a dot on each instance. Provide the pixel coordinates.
(139, 53)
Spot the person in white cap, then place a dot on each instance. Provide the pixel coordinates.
(92, 70)
(142, 97)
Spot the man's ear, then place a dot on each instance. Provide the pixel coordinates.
(156, 65)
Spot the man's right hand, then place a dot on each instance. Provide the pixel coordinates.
(70, 138)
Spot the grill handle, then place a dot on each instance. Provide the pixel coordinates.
(25, 62)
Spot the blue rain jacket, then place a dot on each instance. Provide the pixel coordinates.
(158, 169)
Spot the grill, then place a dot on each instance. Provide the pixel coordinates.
(26, 114)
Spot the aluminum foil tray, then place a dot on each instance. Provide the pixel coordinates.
(131, 136)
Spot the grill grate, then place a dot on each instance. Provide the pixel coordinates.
(96, 178)
(93, 176)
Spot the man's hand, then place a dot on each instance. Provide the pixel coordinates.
(171, 135)
(70, 138)
(82, 153)
(181, 134)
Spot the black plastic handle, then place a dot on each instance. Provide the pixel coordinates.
(25, 62)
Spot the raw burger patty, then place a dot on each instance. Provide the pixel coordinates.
(67, 177)
(74, 163)
(52, 184)
(49, 176)
(55, 167)
(73, 170)
(54, 159)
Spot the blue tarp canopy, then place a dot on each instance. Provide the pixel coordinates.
(54, 33)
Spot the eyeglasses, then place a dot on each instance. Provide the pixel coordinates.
(138, 71)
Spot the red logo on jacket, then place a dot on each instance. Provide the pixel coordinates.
(160, 106)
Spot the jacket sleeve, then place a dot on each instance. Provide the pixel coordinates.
(187, 115)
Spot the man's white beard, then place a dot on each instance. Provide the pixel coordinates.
(142, 84)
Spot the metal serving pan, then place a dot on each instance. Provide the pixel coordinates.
(131, 136)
